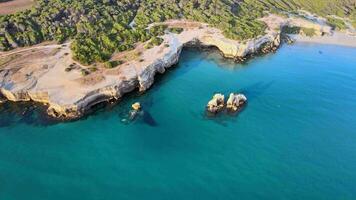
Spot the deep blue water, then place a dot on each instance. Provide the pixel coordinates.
(296, 138)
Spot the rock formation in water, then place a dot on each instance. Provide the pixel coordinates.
(216, 104)
(136, 106)
(235, 102)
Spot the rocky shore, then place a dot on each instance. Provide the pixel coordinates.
(38, 74)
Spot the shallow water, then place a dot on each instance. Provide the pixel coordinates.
(295, 139)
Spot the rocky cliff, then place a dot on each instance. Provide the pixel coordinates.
(42, 79)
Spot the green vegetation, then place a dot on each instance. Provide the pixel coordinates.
(98, 28)
(310, 32)
(291, 30)
(84, 72)
(296, 30)
(342, 8)
(112, 64)
(176, 30)
(338, 24)
(155, 41)
(158, 30)
(93, 69)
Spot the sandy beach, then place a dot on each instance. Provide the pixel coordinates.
(338, 38)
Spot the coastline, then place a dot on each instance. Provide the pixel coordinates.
(337, 38)
(70, 94)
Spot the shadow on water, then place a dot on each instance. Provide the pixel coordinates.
(255, 90)
(35, 114)
(147, 118)
(26, 113)
(252, 92)
(224, 118)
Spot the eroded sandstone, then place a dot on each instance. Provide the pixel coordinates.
(235, 102)
(38, 73)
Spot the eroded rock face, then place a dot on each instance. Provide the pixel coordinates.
(235, 102)
(138, 75)
(28, 80)
(216, 104)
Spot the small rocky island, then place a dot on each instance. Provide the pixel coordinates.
(216, 104)
(234, 103)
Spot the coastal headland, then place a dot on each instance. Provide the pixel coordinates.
(47, 73)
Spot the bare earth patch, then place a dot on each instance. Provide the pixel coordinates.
(12, 6)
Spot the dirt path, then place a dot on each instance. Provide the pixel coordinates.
(13, 6)
(4, 54)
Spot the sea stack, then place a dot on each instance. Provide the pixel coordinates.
(235, 102)
(216, 104)
(136, 106)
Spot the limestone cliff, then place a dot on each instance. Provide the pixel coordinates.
(43, 78)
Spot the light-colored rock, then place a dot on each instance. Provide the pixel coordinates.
(136, 106)
(67, 97)
(235, 102)
(216, 104)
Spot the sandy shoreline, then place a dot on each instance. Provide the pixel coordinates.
(338, 38)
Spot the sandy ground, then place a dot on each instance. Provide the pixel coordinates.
(338, 38)
(348, 38)
(13, 6)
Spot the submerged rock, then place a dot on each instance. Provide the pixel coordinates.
(136, 111)
(216, 104)
(235, 102)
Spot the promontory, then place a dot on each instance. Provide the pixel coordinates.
(72, 56)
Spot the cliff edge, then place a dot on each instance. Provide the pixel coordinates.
(41, 73)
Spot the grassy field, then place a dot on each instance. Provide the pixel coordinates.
(12, 6)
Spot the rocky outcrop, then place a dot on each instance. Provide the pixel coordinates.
(235, 102)
(146, 76)
(242, 50)
(136, 106)
(216, 104)
(142, 77)
(136, 110)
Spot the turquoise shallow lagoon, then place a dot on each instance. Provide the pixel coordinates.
(296, 138)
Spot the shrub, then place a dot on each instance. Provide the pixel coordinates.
(310, 32)
(337, 24)
(290, 29)
(112, 64)
(155, 41)
(84, 72)
(176, 30)
(93, 69)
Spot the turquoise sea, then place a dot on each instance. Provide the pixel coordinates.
(295, 139)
